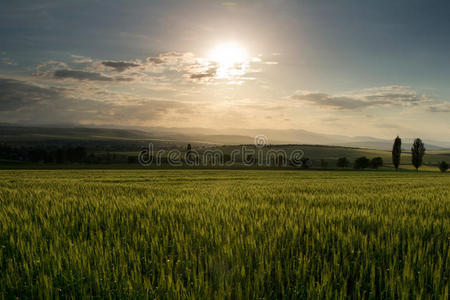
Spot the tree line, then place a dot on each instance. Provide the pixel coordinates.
(361, 163)
(58, 155)
(417, 154)
(79, 154)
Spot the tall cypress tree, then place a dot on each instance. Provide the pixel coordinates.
(417, 153)
(396, 152)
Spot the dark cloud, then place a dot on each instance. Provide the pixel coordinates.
(171, 58)
(21, 100)
(323, 99)
(81, 75)
(15, 94)
(394, 95)
(155, 60)
(120, 66)
(210, 73)
(121, 78)
(201, 72)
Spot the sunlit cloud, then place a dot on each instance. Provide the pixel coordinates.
(227, 64)
(440, 108)
(368, 98)
(78, 59)
(120, 66)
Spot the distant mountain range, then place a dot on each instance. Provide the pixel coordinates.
(14, 132)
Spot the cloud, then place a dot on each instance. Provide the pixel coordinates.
(440, 108)
(48, 68)
(155, 60)
(15, 94)
(202, 73)
(8, 61)
(22, 100)
(172, 58)
(395, 94)
(61, 70)
(160, 71)
(77, 59)
(323, 99)
(381, 96)
(201, 70)
(120, 66)
(208, 74)
(81, 75)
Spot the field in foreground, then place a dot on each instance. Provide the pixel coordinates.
(224, 234)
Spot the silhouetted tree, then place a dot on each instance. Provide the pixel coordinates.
(361, 163)
(443, 166)
(376, 162)
(92, 159)
(306, 162)
(417, 152)
(343, 162)
(38, 155)
(323, 164)
(396, 152)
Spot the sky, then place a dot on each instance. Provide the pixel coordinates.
(355, 68)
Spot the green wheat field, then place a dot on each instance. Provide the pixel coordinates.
(214, 234)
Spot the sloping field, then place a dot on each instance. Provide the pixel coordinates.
(224, 234)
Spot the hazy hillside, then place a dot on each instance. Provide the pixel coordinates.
(128, 142)
(200, 136)
(291, 136)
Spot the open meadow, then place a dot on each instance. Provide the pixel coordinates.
(204, 234)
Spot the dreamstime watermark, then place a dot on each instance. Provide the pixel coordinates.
(260, 154)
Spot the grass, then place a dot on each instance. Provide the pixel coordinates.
(205, 234)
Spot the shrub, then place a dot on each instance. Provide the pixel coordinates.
(306, 162)
(443, 166)
(343, 162)
(361, 163)
(376, 162)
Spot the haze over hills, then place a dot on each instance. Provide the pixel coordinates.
(14, 132)
(299, 136)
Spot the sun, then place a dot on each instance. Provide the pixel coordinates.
(229, 54)
(231, 60)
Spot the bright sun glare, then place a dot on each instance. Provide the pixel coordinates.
(227, 55)
(231, 59)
